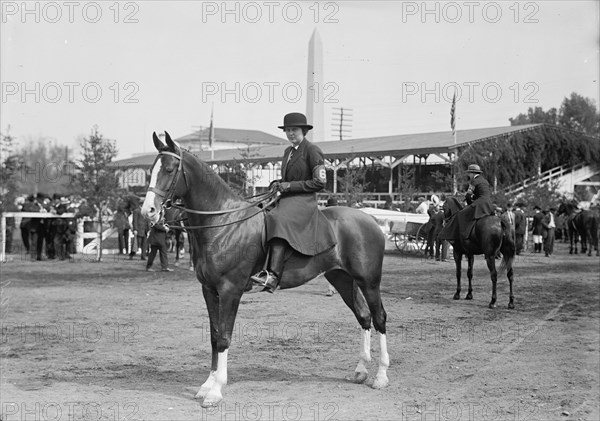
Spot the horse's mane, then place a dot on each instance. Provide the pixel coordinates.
(456, 202)
(209, 176)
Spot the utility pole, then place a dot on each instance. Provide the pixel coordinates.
(342, 122)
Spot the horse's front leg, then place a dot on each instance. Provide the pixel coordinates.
(228, 305)
(471, 259)
(212, 304)
(226, 309)
(491, 264)
(457, 263)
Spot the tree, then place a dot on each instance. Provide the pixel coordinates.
(406, 187)
(45, 167)
(11, 166)
(580, 114)
(352, 184)
(96, 181)
(534, 116)
(576, 113)
(242, 170)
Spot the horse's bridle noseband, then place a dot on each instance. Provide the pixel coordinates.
(270, 197)
(167, 196)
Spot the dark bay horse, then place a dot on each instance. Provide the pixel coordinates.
(490, 236)
(580, 224)
(227, 236)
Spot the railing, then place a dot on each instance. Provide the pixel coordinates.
(546, 176)
(375, 199)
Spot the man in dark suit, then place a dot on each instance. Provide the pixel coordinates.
(140, 232)
(296, 221)
(549, 231)
(157, 239)
(537, 228)
(437, 223)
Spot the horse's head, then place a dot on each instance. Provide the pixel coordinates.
(566, 208)
(166, 182)
(451, 206)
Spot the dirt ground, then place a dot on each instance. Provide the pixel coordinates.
(109, 341)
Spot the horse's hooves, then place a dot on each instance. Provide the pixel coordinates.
(492, 305)
(511, 306)
(202, 393)
(468, 297)
(211, 401)
(380, 382)
(359, 377)
(456, 296)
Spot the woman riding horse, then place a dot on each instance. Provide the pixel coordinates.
(296, 221)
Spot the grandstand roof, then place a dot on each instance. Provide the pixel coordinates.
(397, 145)
(254, 137)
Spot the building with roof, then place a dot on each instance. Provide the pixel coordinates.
(388, 159)
(223, 138)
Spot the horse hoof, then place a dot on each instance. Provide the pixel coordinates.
(511, 306)
(492, 305)
(469, 297)
(211, 401)
(380, 382)
(456, 296)
(202, 393)
(359, 377)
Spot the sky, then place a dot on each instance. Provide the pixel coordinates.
(132, 68)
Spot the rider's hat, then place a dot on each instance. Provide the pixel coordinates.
(295, 120)
(474, 168)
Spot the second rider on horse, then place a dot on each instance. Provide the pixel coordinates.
(296, 222)
(479, 204)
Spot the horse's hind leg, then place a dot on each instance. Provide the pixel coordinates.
(509, 274)
(491, 264)
(371, 292)
(471, 260)
(354, 299)
(458, 265)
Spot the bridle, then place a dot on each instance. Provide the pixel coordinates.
(270, 197)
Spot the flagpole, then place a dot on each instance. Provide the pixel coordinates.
(454, 135)
(211, 134)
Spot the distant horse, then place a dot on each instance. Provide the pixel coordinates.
(227, 233)
(491, 235)
(582, 224)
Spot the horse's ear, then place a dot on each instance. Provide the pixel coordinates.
(157, 142)
(172, 146)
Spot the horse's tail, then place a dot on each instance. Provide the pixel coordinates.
(508, 246)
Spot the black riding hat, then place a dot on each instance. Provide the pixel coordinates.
(295, 120)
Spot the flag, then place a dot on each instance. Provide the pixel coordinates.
(211, 130)
(452, 116)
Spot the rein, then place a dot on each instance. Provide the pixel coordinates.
(270, 197)
(192, 227)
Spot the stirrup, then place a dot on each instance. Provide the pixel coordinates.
(266, 279)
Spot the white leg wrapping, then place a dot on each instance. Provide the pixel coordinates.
(381, 380)
(214, 396)
(361, 373)
(206, 386)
